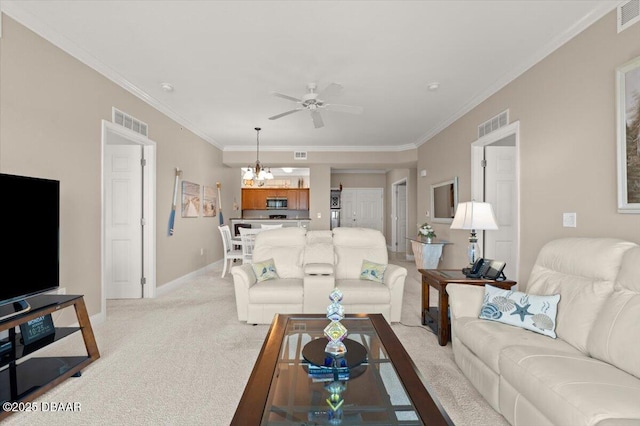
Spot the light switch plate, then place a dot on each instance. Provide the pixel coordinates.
(569, 220)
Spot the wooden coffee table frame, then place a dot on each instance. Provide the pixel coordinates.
(254, 398)
(437, 318)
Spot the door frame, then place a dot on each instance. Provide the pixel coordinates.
(394, 215)
(477, 176)
(149, 206)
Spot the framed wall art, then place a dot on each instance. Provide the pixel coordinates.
(209, 201)
(628, 136)
(190, 199)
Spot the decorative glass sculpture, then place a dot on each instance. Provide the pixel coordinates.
(335, 331)
(335, 401)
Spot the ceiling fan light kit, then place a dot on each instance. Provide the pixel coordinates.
(258, 172)
(313, 102)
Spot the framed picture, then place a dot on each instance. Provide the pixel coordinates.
(190, 199)
(209, 201)
(628, 125)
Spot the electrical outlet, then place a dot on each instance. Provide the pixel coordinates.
(201, 252)
(319, 215)
(569, 220)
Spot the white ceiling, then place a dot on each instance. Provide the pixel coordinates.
(225, 58)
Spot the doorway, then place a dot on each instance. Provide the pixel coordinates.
(399, 216)
(495, 178)
(128, 214)
(362, 208)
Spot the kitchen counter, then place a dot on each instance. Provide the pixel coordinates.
(247, 219)
(254, 222)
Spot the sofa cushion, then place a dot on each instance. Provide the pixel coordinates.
(570, 387)
(363, 292)
(323, 236)
(278, 290)
(264, 270)
(615, 337)
(319, 253)
(582, 271)
(285, 246)
(372, 271)
(529, 311)
(353, 245)
(486, 339)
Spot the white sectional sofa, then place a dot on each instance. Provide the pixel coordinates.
(309, 265)
(590, 373)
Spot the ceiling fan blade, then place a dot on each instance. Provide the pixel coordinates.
(344, 108)
(275, 117)
(317, 119)
(331, 90)
(281, 95)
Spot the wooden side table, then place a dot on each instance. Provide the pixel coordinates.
(438, 318)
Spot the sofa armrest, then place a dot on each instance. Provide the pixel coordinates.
(243, 279)
(465, 300)
(394, 275)
(318, 269)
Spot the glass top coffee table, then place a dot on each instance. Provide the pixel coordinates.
(385, 389)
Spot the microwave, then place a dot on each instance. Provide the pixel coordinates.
(276, 203)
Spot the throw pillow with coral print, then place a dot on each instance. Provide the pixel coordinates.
(532, 312)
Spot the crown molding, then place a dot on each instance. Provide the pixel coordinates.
(34, 24)
(247, 148)
(589, 19)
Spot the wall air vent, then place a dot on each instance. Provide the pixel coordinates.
(628, 14)
(493, 124)
(125, 120)
(300, 155)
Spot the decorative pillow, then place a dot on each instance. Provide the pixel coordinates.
(265, 270)
(372, 271)
(532, 312)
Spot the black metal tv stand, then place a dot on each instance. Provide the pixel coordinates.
(23, 380)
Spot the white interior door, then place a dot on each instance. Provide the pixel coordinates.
(123, 221)
(500, 190)
(401, 213)
(362, 208)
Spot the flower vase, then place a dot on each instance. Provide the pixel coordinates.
(429, 240)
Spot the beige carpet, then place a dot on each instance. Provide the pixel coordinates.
(184, 359)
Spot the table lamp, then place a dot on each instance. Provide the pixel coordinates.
(475, 216)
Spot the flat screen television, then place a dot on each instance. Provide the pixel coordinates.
(30, 220)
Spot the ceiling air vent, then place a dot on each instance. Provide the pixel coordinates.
(493, 124)
(300, 155)
(628, 14)
(125, 120)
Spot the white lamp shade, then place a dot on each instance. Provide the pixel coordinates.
(474, 215)
(248, 175)
(268, 175)
(262, 175)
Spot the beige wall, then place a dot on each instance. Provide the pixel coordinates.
(358, 180)
(51, 107)
(566, 108)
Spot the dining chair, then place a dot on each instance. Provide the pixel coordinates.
(230, 253)
(248, 238)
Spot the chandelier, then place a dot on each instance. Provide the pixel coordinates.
(258, 172)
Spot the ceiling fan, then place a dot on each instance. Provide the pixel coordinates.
(314, 102)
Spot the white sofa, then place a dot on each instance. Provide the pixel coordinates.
(309, 265)
(590, 373)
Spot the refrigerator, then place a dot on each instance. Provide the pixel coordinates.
(335, 208)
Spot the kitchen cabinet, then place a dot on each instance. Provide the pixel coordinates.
(303, 199)
(256, 198)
